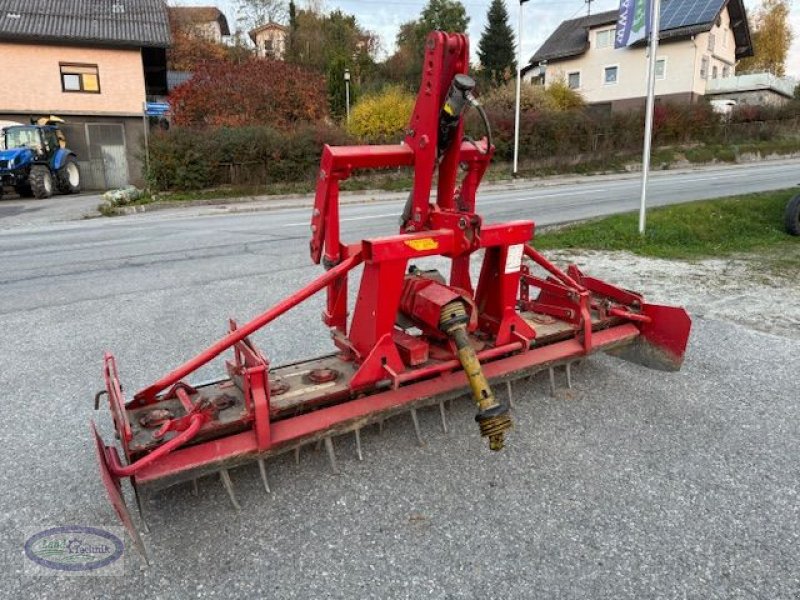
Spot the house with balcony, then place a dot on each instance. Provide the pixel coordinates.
(270, 40)
(700, 43)
(93, 64)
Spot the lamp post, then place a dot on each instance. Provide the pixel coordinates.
(519, 87)
(347, 92)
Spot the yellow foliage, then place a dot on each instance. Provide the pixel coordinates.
(383, 116)
(555, 97)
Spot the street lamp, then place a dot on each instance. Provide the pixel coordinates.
(519, 88)
(347, 92)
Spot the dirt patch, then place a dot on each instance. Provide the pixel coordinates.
(747, 290)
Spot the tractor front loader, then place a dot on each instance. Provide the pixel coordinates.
(414, 337)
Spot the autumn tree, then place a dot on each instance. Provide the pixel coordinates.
(189, 49)
(330, 44)
(496, 46)
(444, 15)
(772, 36)
(251, 92)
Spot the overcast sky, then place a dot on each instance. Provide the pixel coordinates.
(541, 17)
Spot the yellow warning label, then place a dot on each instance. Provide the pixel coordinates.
(423, 244)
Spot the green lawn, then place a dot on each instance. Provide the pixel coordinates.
(712, 228)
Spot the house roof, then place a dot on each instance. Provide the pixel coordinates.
(127, 23)
(265, 27)
(201, 14)
(571, 38)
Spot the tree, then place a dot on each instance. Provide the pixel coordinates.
(405, 64)
(496, 47)
(331, 43)
(771, 36)
(190, 50)
(252, 13)
(445, 15)
(251, 92)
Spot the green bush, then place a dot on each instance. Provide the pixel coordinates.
(381, 117)
(191, 159)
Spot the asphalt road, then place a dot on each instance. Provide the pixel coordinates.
(636, 484)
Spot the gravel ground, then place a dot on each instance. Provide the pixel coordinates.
(634, 484)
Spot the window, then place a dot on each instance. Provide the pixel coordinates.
(704, 68)
(610, 75)
(661, 68)
(80, 78)
(714, 72)
(574, 80)
(725, 38)
(726, 71)
(711, 42)
(605, 38)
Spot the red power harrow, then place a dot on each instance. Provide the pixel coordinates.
(414, 338)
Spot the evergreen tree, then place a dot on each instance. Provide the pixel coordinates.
(496, 47)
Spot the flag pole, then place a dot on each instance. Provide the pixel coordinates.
(655, 19)
(519, 88)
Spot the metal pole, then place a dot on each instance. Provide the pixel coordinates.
(655, 20)
(519, 88)
(146, 138)
(347, 98)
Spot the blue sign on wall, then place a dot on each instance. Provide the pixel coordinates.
(156, 109)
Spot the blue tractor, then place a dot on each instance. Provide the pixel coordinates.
(35, 161)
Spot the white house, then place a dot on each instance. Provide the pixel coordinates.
(270, 40)
(206, 21)
(700, 42)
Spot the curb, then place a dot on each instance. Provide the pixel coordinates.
(237, 205)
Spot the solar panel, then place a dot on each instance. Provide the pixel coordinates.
(685, 13)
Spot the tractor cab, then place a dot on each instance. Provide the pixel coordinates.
(34, 160)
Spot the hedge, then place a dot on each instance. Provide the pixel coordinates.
(188, 159)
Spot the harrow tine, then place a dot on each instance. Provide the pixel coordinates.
(552, 381)
(331, 455)
(141, 509)
(262, 467)
(195, 491)
(228, 484)
(568, 369)
(443, 415)
(414, 418)
(297, 455)
(357, 433)
(380, 426)
(510, 394)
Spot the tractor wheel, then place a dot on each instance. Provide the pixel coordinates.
(793, 216)
(41, 181)
(69, 177)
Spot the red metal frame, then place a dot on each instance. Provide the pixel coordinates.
(391, 368)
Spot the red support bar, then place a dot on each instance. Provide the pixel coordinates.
(148, 394)
(540, 260)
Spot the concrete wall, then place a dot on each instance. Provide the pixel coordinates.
(32, 80)
(683, 62)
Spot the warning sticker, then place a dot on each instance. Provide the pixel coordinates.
(514, 258)
(422, 244)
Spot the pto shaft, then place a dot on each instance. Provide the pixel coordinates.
(492, 416)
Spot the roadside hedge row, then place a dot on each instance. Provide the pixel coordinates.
(191, 159)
